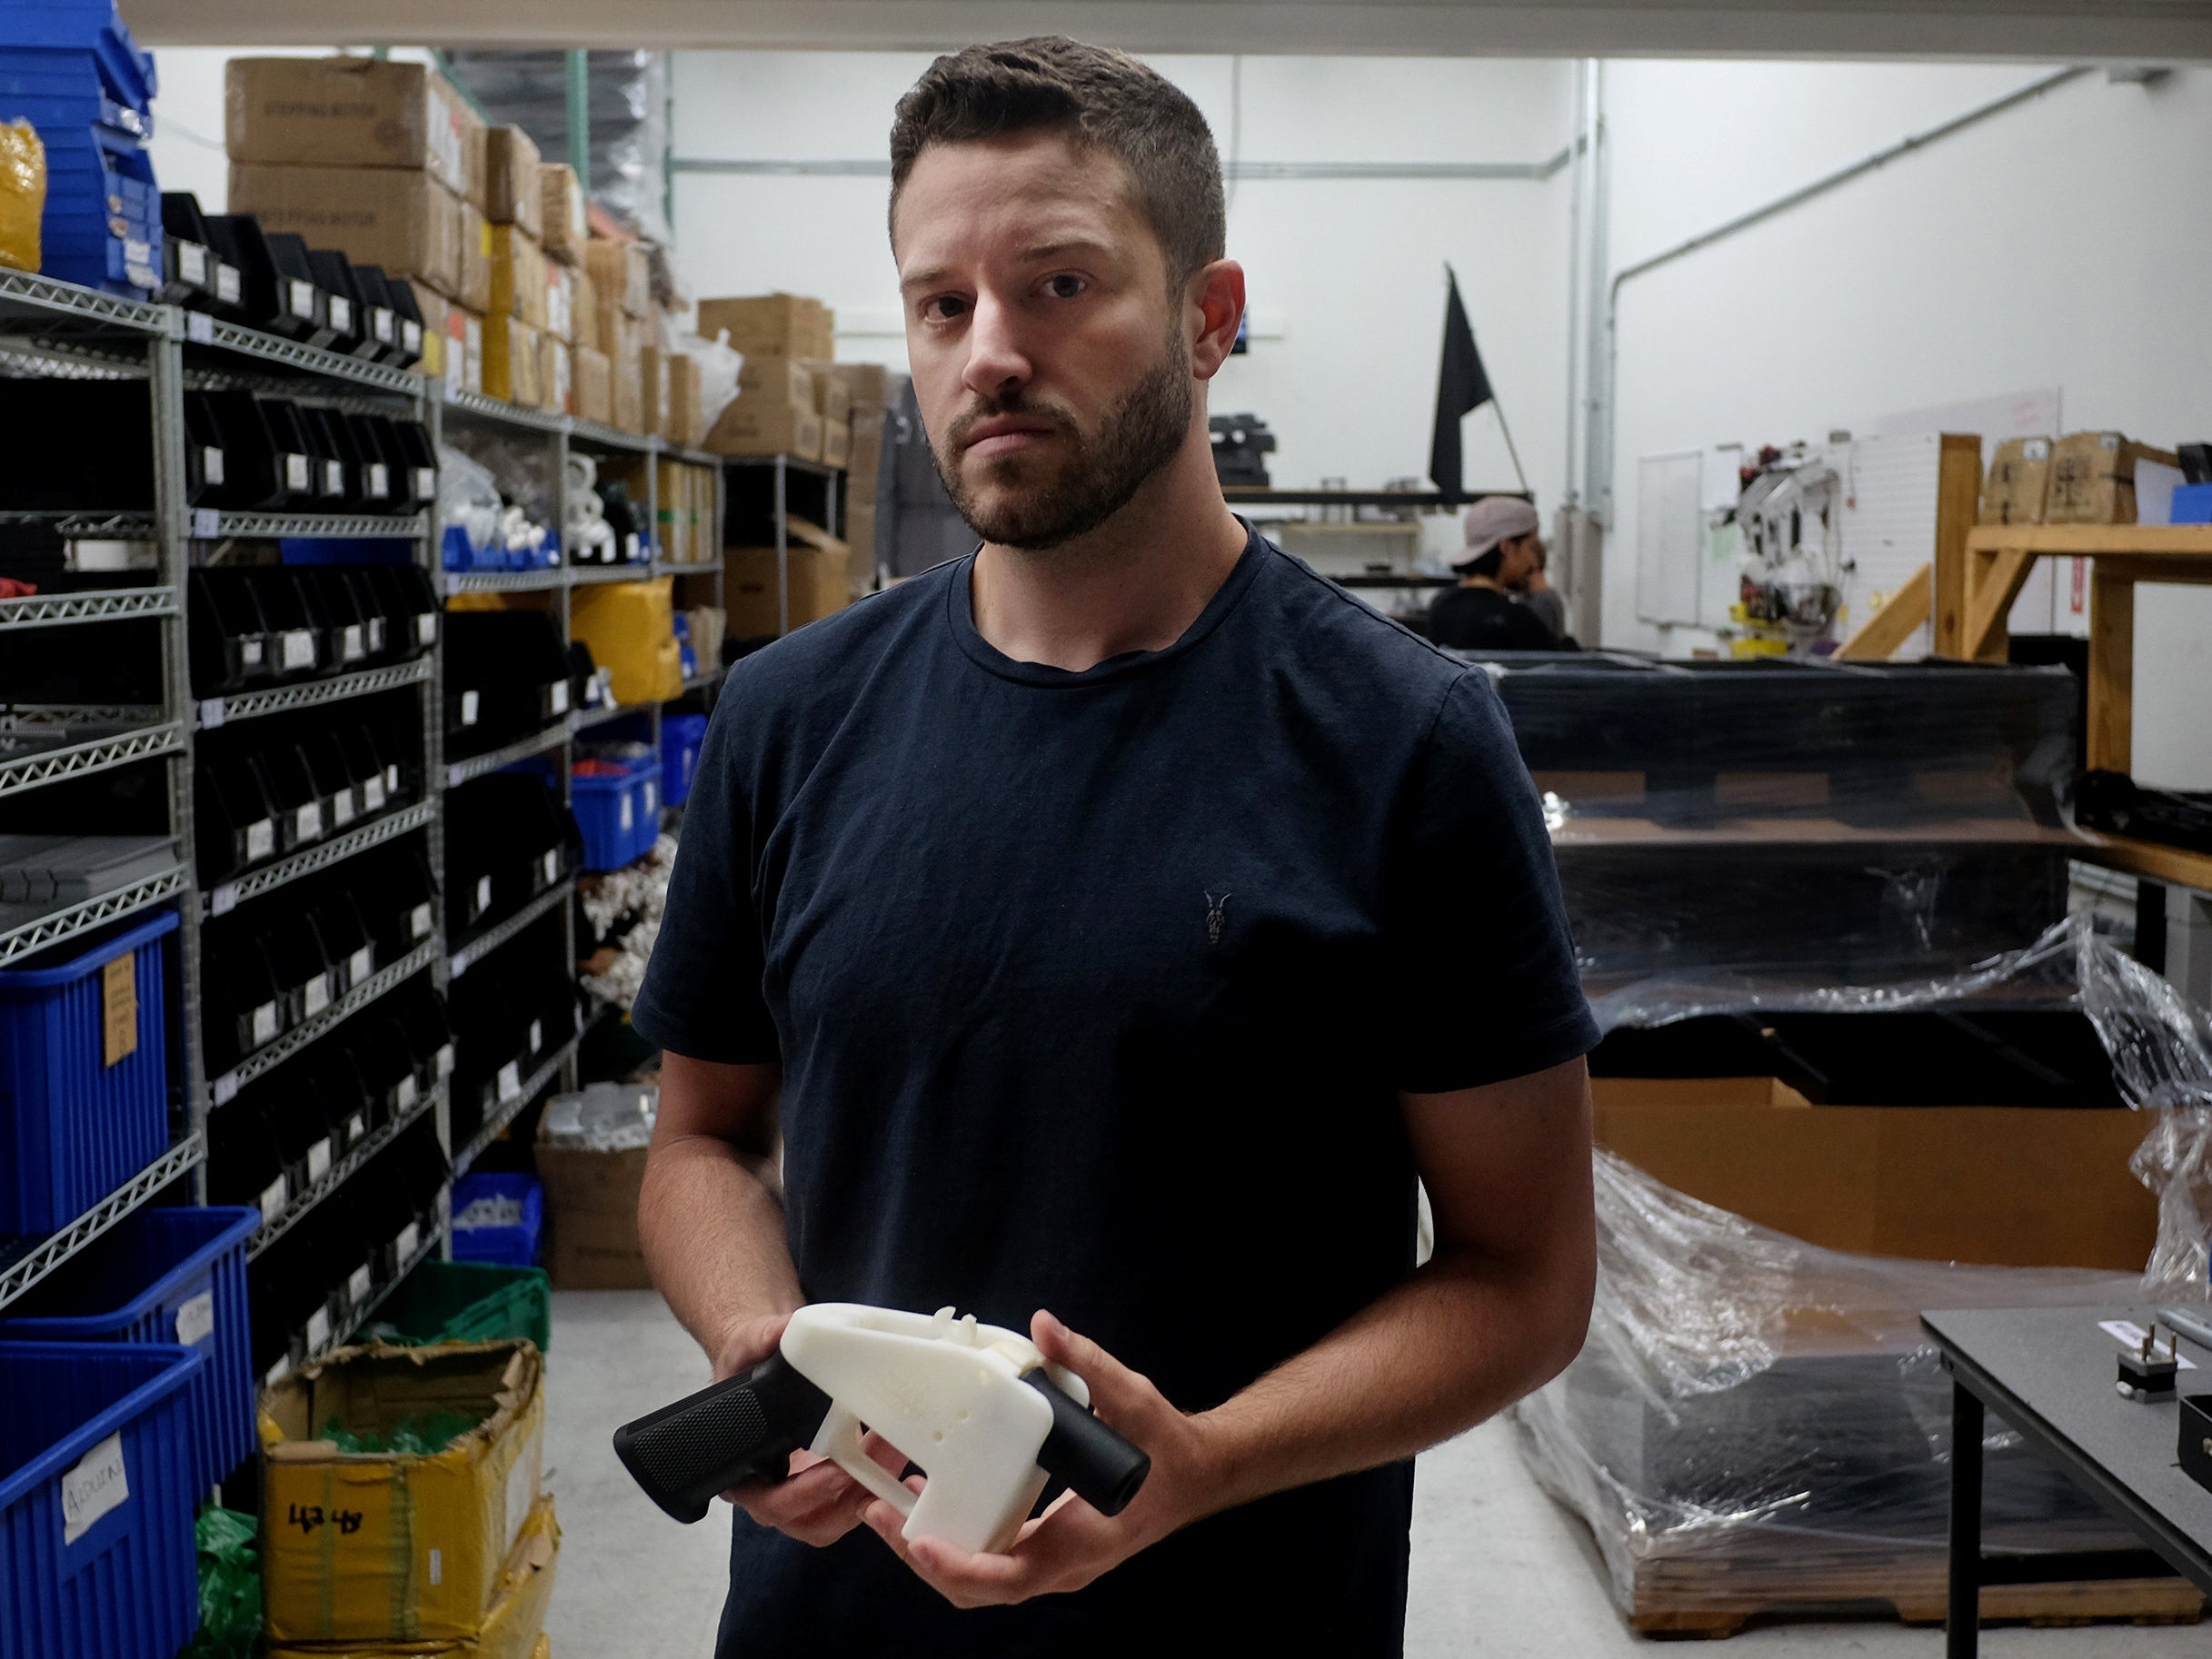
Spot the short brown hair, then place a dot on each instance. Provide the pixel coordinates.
(1101, 98)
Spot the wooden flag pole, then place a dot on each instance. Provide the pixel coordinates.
(1499, 406)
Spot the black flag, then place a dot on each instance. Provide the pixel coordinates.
(1460, 385)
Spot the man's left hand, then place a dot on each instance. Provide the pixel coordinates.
(1070, 1544)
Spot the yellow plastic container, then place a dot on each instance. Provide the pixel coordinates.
(631, 628)
(23, 195)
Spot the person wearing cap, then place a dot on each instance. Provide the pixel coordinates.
(1503, 549)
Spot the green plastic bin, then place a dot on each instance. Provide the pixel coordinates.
(468, 1302)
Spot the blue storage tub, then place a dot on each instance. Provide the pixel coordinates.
(618, 813)
(165, 1276)
(497, 1218)
(73, 1128)
(646, 808)
(682, 735)
(97, 1501)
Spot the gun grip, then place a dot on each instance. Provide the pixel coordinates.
(1097, 1462)
(686, 1454)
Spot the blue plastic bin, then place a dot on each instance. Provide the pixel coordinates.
(682, 735)
(646, 808)
(497, 1218)
(165, 1276)
(618, 813)
(79, 1579)
(73, 1128)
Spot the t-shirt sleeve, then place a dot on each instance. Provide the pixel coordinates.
(702, 996)
(1479, 960)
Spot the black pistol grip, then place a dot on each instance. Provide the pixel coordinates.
(748, 1425)
(1096, 1462)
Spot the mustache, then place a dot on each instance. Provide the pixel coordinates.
(990, 409)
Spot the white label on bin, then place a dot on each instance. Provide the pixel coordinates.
(210, 463)
(273, 1199)
(98, 1486)
(509, 1080)
(484, 894)
(652, 795)
(249, 654)
(489, 1211)
(318, 1328)
(342, 807)
(410, 1237)
(300, 297)
(266, 1024)
(351, 646)
(295, 469)
(333, 477)
(381, 322)
(205, 520)
(391, 777)
(437, 1566)
(418, 921)
(318, 1159)
(356, 1129)
(380, 479)
(373, 794)
(427, 486)
(629, 817)
(411, 336)
(445, 1060)
(226, 285)
(299, 647)
(223, 1089)
(223, 899)
(359, 1284)
(537, 1034)
(342, 313)
(376, 633)
(361, 964)
(405, 1093)
(307, 821)
(630, 548)
(468, 708)
(195, 1321)
(199, 328)
(211, 712)
(191, 263)
(552, 865)
(318, 994)
(260, 838)
(560, 696)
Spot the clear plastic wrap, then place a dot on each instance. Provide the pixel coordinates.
(602, 1118)
(628, 107)
(719, 367)
(468, 498)
(1756, 1422)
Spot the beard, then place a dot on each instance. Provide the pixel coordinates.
(1095, 477)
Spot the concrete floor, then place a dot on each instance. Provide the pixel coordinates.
(1497, 1567)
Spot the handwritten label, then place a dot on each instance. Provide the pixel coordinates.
(196, 1320)
(98, 1486)
(311, 1518)
(119, 1009)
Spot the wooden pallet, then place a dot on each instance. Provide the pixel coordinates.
(1710, 1599)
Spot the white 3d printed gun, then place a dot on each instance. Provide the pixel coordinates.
(976, 1407)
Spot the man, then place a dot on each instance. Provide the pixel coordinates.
(1503, 551)
(1537, 593)
(1112, 922)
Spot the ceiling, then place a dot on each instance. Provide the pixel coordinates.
(2038, 31)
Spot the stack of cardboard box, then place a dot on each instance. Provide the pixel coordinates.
(871, 389)
(625, 324)
(779, 408)
(526, 361)
(685, 493)
(383, 162)
(2083, 477)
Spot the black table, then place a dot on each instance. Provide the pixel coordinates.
(2048, 1372)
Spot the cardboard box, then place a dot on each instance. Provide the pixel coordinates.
(518, 275)
(653, 388)
(594, 385)
(774, 324)
(832, 392)
(860, 536)
(867, 463)
(766, 426)
(819, 586)
(473, 288)
(627, 378)
(2012, 491)
(405, 221)
(836, 444)
(511, 360)
(561, 224)
(560, 298)
(2092, 478)
(590, 1217)
(584, 310)
(381, 1547)
(436, 309)
(464, 347)
(783, 380)
(869, 384)
(686, 407)
(346, 112)
(620, 273)
(513, 1625)
(556, 384)
(512, 194)
(2026, 1187)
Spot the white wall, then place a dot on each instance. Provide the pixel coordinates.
(1346, 278)
(2053, 244)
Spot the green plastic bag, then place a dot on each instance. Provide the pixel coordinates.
(424, 1435)
(230, 1587)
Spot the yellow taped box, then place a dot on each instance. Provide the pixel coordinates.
(518, 274)
(562, 226)
(511, 191)
(369, 1547)
(512, 360)
(23, 195)
(631, 627)
(513, 1626)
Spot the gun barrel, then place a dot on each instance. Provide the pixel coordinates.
(1100, 1464)
(744, 1427)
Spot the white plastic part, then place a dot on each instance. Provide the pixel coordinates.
(948, 1392)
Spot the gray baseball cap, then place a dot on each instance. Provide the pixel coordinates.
(1495, 519)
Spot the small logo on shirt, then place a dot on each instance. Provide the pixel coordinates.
(1214, 917)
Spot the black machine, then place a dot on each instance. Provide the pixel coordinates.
(1240, 444)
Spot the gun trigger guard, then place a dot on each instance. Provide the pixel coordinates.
(840, 1441)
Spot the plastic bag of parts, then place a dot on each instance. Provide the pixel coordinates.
(601, 1117)
(523, 472)
(23, 195)
(628, 108)
(718, 366)
(587, 535)
(622, 908)
(468, 499)
(230, 1587)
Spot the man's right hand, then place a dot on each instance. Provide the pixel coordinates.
(818, 1502)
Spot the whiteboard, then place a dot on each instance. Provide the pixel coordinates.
(1669, 535)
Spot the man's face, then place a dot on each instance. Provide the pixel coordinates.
(1051, 360)
(1520, 562)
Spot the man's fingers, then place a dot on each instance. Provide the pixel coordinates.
(1118, 1394)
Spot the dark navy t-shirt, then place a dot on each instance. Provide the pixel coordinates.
(1094, 992)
